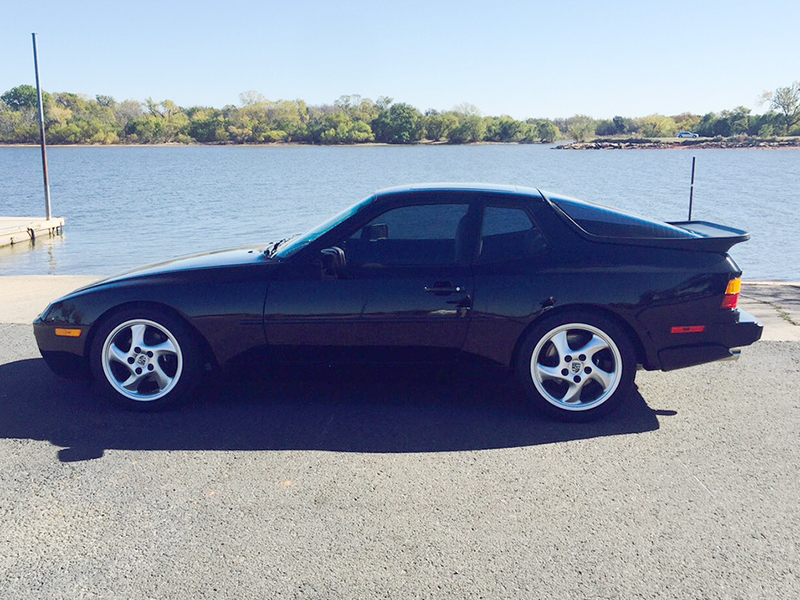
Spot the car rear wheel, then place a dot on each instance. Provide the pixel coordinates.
(144, 358)
(577, 367)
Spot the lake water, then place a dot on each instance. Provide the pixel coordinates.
(129, 206)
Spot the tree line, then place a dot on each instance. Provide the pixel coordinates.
(78, 119)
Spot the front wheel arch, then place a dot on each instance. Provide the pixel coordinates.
(209, 357)
(145, 357)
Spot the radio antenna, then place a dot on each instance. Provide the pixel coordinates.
(691, 191)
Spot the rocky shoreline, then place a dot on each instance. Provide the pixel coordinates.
(649, 144)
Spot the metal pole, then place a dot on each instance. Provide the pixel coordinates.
(691, 191)
(41, 132)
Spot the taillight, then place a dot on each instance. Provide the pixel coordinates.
(731, 299)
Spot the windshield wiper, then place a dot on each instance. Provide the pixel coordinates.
(271, 250)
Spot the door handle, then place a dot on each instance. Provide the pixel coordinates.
(444, 288)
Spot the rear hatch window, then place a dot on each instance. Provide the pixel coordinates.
(603, 221)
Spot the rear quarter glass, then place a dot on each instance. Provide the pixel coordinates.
(603, 221)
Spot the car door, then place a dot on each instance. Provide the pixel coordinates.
(414, 263)
(511, 284)
(404, 283)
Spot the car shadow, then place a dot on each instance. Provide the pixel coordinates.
(354, 409)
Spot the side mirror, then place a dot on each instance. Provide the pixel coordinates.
(333, 261)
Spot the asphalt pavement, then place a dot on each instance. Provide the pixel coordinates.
(385, 483)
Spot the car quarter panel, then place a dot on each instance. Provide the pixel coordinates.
(649, 290)
(225, 306)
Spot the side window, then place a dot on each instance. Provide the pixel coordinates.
(423, 234)
(508, 234)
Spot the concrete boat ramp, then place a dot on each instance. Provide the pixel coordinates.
(17, 230)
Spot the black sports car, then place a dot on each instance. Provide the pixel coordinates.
(571, 295)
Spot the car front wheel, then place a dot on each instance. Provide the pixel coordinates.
(145, 358)
(577, 367)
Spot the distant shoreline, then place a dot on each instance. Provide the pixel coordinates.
(273, 145)
(597, 144)
(690, 143)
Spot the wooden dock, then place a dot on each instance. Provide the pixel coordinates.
(18, 230)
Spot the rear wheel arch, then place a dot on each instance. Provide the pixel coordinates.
(588, 309)
(576, 364)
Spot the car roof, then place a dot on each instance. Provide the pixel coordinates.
(459, 187)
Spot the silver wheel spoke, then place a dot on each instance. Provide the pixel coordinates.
(562, 347)
(132, 383)
(118, 355)
(593, 346)
(573, 395)
(162, 379)
(137, 336)
(164, 348)
(602, 377)
(552, 373)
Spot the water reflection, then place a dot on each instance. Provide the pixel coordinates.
(38, 256)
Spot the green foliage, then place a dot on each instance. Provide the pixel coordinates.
(580, 127)
(504, 129)
(766, 131)
(19, 126)
(164, 123)
(738, 121)
(546, 131)
(208, 126)
(21, 97)
(75, 118)
(471, 126)
(469, 129)
(655, 126)
(686, 121)
(439, 125)
(398, 124)
(331, 125)
(358, 108)
(107, 101)
(616, 126)
(786, 102)
(605, 128)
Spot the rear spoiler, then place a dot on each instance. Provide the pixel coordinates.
(711, 237)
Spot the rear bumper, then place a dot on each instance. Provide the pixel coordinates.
(720, 342)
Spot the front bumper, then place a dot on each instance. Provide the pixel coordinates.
(64, 355)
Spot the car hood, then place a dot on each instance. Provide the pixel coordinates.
(238, 257)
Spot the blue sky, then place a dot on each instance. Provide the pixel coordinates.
(524, 58)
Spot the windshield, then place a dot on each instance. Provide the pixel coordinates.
(296, 244)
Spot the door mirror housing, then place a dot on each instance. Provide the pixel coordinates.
(333, 261)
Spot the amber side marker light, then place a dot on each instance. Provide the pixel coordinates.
(731, 299)
(68, 332)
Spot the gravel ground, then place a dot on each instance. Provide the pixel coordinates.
(388, 484)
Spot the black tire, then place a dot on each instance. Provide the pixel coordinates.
(576, 366)
(145, 358)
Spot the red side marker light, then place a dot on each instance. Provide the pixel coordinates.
(688, 329)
